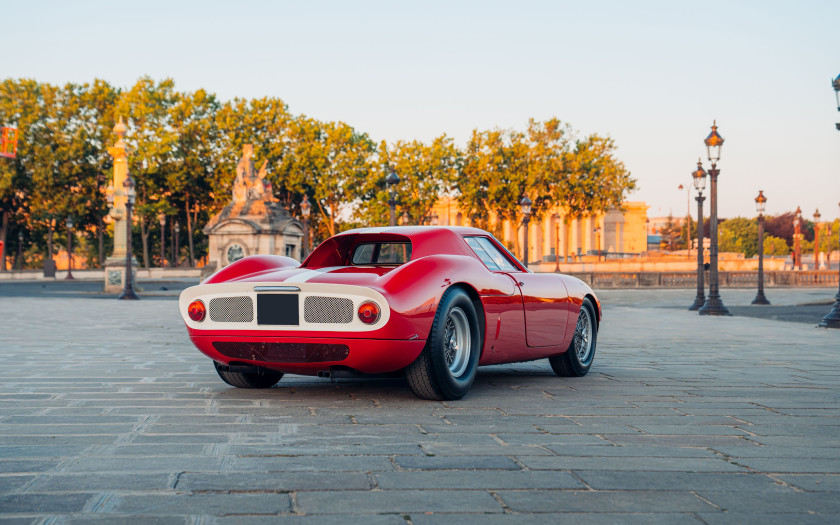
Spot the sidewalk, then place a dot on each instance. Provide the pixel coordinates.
(108, 413)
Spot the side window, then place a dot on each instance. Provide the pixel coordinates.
(483, 255)
(501, 261)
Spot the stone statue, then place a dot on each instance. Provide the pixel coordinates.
(250, 184)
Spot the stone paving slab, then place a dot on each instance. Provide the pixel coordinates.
(108, 414)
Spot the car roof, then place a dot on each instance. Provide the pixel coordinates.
(425, 240)
(410, 231)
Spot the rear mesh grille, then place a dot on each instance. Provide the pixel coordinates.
(232, 309)
(283, 352)
(336, 310)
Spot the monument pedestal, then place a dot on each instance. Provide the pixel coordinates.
(115, 274)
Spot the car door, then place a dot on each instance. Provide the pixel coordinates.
(505, 330)
(545, 300)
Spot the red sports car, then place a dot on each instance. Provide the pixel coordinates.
(432, 303)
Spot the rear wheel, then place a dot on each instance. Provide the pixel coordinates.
(577, 360)
(263, 379)
(446, 368)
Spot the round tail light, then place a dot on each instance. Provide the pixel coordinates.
(369, 312)
(197, 311)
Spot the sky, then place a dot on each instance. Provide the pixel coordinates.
(651, 75)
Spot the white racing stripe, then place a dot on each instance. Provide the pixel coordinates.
(310, 274)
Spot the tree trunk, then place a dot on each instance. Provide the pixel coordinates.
(3, 229)
(144, 234)
(190, 230)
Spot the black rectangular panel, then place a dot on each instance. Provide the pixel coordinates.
(278, 309)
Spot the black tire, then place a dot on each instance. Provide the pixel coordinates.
(442, 371)
(265, 379)
(574, 362)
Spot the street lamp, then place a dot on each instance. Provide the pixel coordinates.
(817, 218)
(162, 222)
(699, 177)
(597, 232)
(305, 210)
(20, 250)
(392, 180)
(128, 288)
(176, 257)
(760, 206)
(832, 320)
(714, 305)
(69, 224)
(687, 217)
(797, 234)
(836, 85)
(525, 203)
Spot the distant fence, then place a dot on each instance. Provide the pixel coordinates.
(689, 279)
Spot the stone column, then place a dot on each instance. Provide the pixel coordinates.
(115, 263)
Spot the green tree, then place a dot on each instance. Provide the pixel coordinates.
(194, 156)
(596, 180)
(20, 107)
(96, 115)
(330, 161)
(426, 171)
(775, 246)
(671, 234)
(739, 235)
(147, 106)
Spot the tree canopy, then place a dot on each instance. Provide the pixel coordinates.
(184, 146)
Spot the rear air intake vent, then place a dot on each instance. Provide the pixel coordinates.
(283, 352)
(334, 310)
(232, 309)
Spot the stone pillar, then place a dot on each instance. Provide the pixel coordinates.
(115, 263)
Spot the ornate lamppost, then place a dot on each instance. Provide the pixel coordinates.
(176, 256)
(305, 210)
(392, 180)
(832, 320)
(817, 218)
(162, 222)
(128, 289)
(760, 206)
(699, 176)
(69, 224)
(797, 235)
(20, 250)
(714, 304)
(525, 203)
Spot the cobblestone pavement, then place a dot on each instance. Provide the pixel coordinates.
(107, 413)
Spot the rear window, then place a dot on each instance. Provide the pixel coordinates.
(381, 253)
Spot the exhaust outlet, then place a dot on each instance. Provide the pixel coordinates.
(325, 374)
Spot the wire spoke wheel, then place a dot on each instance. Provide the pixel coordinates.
(446, 368)
(456, 341)
(583, 335)
(576, 361)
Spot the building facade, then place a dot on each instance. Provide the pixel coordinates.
(618, 233)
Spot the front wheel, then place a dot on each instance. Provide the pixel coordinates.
(577, 360)
(264, 379)
(446, 368)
